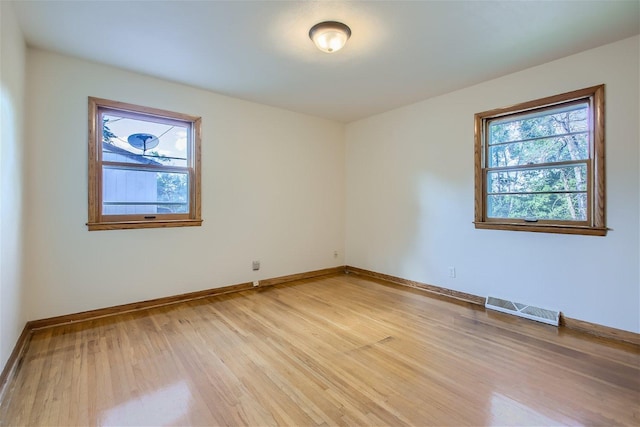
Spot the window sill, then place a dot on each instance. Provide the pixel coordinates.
(128, 225)
(543, 228)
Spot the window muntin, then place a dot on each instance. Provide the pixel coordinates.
(540, 165)
(143, 167)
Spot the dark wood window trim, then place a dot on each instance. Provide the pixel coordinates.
(595, 224)
(96, 219)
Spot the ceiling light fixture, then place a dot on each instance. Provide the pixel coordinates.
(330, 36)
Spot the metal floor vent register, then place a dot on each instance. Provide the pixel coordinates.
(528, 311)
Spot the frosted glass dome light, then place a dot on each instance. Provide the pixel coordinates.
(330, 36)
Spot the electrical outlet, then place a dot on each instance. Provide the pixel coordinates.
(452, 272)
(335, 254)
(256, 265)
(256, 283)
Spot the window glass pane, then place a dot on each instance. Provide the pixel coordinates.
(128, 191)
(545, 123)
(565, 178)
(548, 150)
(139, 141)
(545, 206)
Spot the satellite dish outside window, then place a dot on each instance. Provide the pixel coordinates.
(143, 141)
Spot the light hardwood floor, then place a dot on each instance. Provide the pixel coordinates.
(341, 349)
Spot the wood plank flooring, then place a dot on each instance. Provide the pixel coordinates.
(337, 350)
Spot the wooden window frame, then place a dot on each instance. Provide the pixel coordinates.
(99, 221)
(595, 224)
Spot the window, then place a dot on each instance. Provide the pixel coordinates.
(539, 166)
(144, 167)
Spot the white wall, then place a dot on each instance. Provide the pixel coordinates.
(410, 197)
(272, 189)
(12, 66)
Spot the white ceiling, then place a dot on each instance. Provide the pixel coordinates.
(400, 52)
